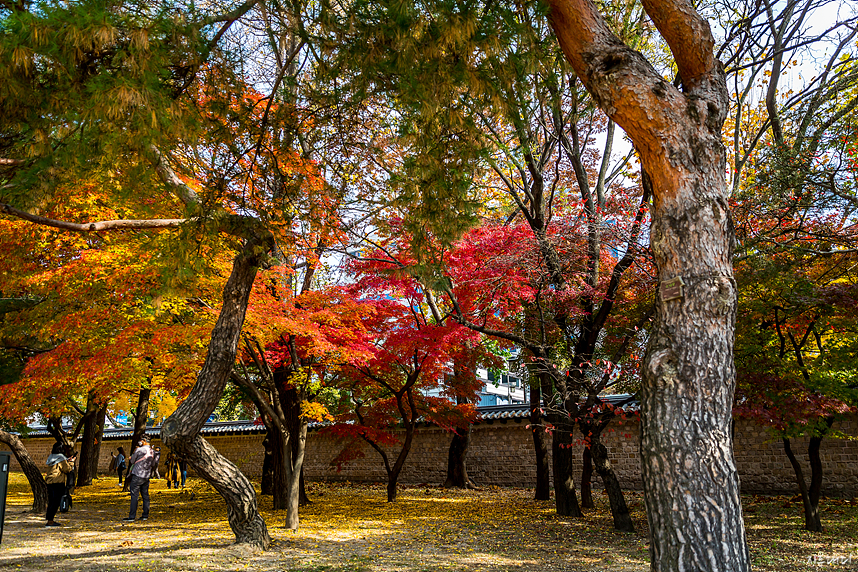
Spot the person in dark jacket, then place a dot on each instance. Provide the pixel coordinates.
(120, 464)
(59, 467)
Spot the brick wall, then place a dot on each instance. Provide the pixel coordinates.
(501, 453)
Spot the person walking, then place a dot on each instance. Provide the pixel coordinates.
(58, 468)
(183, 469)
(143, 461)
(120, 464)
(172, 471)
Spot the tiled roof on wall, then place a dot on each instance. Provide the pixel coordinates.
(487, 414)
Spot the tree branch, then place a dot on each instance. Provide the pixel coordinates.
(93, 226)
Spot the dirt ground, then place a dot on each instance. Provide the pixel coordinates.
(352, 528)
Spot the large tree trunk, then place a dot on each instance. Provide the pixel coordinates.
(457, 469)
(296, 462)
(689, 474)
(31, 471)
(565, 498)
(88, 450)
(457, 455)
(100, 418)
(141, 415)
(180, 432)
(292, 409)
(279, 441)
(542, 490)
(587, 479)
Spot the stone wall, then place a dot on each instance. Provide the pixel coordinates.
(501, 453)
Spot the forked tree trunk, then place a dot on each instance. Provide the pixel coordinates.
(180, 432)
(811, 512)
(691, 485)
(542, 490)
(30, 469)
(565, 498)
(809, 496)
(587, 479)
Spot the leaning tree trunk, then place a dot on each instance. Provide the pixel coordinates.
(619, 509)
(565, 498)
(599, 457)
(180, 432)
(540, 445)
(394, 471)
(691, 485)
(815, 473)
(587, 479)
(31, 471)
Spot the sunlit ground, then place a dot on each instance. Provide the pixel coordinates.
(352, 528)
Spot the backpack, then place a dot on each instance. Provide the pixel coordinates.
(65, 502)
(112, 466)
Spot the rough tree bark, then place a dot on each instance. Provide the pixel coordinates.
(690, 481)
(180, 432)
(542, 491)
(30, 469)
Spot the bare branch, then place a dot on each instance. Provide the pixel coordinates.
(93, 226)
